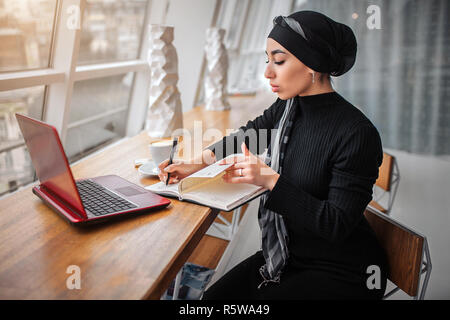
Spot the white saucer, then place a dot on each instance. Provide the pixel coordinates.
(149, 169)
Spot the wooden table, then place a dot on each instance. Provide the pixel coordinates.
(134, 258)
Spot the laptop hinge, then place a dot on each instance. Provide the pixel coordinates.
(66, 205)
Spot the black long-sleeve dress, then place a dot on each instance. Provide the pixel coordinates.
(330, 166)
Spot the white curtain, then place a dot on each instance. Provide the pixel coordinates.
(401, 79)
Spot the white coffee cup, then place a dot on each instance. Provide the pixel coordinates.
(160, 150)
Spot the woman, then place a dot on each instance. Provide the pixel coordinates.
(321, 166)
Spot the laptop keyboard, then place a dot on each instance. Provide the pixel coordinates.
(100, 201)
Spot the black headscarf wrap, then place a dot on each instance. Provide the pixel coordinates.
(327, 46)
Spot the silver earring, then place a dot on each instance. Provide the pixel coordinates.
(313, 76)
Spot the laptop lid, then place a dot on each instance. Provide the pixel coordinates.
(50, 161)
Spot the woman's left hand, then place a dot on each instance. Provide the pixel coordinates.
(249, 168)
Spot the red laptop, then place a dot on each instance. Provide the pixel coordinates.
(82, 201)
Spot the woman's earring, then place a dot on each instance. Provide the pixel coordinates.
(313, 76)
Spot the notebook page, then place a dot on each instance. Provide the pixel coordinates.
(161, 188)
(221, 194)
(212, 170)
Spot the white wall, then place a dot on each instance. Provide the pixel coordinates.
(190, 20)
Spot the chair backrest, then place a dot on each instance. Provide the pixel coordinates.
(385, 172)
(404, 250)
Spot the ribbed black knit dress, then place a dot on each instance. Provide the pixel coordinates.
(329, 169)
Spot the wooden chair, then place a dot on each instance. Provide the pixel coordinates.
(405, 250)
(387, 182)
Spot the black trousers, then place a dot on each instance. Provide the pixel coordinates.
(296, 284)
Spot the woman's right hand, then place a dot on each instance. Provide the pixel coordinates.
(181, 169)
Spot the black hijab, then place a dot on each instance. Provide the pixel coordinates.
(320, 43)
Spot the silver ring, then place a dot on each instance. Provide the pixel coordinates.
(240, 172)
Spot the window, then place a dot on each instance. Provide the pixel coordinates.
(111, 31)
(26, 29)
(86, 81)
(98, 113)
(15, 164)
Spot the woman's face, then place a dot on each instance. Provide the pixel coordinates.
(288, 76)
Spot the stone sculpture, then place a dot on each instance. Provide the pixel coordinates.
(216, 71)
(164, 110)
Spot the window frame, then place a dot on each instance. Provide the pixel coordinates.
(59, 78)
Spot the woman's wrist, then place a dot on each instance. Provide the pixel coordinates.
(272, 181)
(207, 158)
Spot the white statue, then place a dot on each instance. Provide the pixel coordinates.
(164, 111)
(216, 72)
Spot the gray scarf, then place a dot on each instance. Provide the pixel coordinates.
(274, 233)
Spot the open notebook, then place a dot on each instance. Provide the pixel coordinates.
(206, 187)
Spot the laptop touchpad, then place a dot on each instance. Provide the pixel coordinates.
(128, 191)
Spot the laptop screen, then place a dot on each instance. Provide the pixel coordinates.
(49, 160)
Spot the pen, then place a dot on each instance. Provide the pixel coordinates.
(172, 153)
